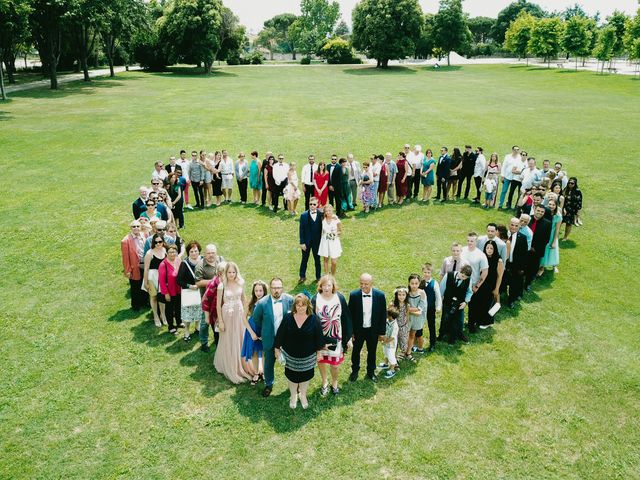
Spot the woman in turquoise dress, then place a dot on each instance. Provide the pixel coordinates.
(551, 258)
(427, 174)
(255, 179)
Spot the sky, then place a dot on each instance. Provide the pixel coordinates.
(253, 13)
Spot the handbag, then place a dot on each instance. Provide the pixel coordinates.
(190, 297)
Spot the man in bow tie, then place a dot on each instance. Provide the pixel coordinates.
(310, 235)
(368, 308)
(267, 316)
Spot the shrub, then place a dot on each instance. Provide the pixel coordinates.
(305, 61)
(255, 58)
(337, 50)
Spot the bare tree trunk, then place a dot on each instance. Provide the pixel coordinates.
(2, 93)
(294, 54)
(448, 59)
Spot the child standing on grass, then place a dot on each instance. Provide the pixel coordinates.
(402, 307)
(390, 343)
(490, 186)
(417, 314)
(434, 301)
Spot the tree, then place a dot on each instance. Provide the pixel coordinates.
(509, 14)
(425, 44)
(83, 18)
(577, 37)
(386, 29)
(47, 21)
(190, 31)
(618, 21)
(14, 32)
(632, 38)
(481, 28)
(280, 25)
(342, 30)
(231, 36)
(605, 45)
(573, 11)
(451, 30)
(315, 23)
(519, 34)
(119, 21)
(268, 38)
(545, 38)
(337, 50)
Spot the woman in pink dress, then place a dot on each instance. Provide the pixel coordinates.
(332, 310)
(321, 185)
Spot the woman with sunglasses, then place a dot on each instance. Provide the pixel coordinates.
(151, 211)
(152, 260)
(169, 289)
(572, 205)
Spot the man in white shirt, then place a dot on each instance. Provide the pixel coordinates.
(280, 171)
(410, 157)
(185, 164)
(531, 175)
(308, 170)
(518, 167)
(492, 234)
(159, 173)
(478, 172)
(353, 166)
(479, 264)
(416, 166)
(507, 172)
(561, 175)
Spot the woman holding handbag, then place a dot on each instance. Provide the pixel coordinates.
(190, 309)
(169, 289)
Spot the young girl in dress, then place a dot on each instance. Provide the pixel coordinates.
(291, 191)
(417, 312)
(390, 343)
(330, 247)
(252, 344)
(401, 304)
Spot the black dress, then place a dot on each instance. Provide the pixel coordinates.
(216, 182)
(299, 346)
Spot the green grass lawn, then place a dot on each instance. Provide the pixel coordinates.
(91, 390)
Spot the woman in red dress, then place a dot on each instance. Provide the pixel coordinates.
(384, 179)
(401, 177)
(321, 185)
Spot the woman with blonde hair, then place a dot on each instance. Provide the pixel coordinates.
(231, 318)
(291, 191)
(330, 247)
(300, 340)
(332, 310)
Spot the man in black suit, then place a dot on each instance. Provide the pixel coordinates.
(368, 308)
(140, 205)
(335, 185)
(310, 233)
(541, 228)
(516, 262)
(442, 173)
(466, 172)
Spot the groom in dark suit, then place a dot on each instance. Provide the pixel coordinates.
(368, 308)
(443, 169)
(335, 184)
(516, 261)
(310, 233)
(541, 228)
(267, 315)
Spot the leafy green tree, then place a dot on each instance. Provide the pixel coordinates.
(451, 30)
(268, 38)
(577, 37)
(509, 14)
(605, 45)
(632, 38)
(342, 30)
(426, 43)
(574, 11)
(386, 29)
(232, 36)
(47, 21)
(618, 21)
(14, 32)
(545, 38)
(280, 25)
(190, 30)
(337, 50)
(481, 28)
(84, 17)
(316, 22)
(120, 19)
(519, 34)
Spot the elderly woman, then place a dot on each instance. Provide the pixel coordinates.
(301, 342)
(332, 310)
(190, 305)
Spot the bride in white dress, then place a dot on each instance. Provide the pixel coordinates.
(330, 247)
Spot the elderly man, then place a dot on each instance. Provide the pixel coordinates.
(132, 247)
(353, 166)
(159, 172)
(392, 168)
(280, 171)
(140, 205)
(479, 264)
(368, 308)
(159, 227)
(206, 270)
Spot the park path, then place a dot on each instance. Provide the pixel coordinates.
(70, 77)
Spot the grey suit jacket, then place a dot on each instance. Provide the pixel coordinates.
(263, 317)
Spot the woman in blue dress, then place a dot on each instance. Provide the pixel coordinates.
(255, 179)
(551, 258)
(252, 343)
(427, 174)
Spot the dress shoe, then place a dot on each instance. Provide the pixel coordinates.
(267, 391)
(301, 280)
(373, 377)
(204, 348)
(353, 377)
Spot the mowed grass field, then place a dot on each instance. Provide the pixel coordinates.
(92, 390)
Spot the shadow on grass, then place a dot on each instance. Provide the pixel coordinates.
(4, 116)
(441, 69)
(395, 70)
(77, 87)
(192, 72)
(125, 314)
(146, 332)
